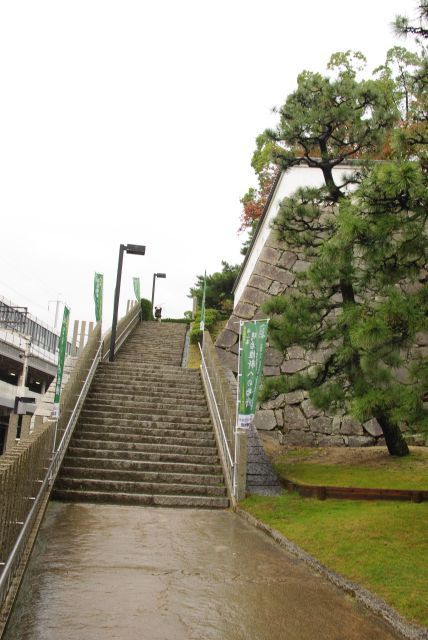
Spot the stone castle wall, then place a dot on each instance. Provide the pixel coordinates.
(297, 421)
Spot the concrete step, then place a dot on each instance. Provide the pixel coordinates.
(163, 428)
(153, 465)
(152, 488)
(180, 390)
(148, 382)
(108, 436)
(142, 476)
(150, 376)
(143, 447)
(132, 420)
(119, 453)
(198, 502)
(166, 430)
(131, 408)
(156, 398)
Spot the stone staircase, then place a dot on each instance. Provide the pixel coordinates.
(144, 435)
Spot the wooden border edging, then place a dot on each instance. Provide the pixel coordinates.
(372, 602)
(354, 493)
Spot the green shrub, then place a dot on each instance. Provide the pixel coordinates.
(146, 310)
(211, 316)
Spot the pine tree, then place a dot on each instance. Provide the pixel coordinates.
(365, 295)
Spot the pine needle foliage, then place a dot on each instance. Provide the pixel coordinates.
(365, 295)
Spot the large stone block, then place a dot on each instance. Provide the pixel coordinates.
(294, 397)
(360, 441)
(274, 273)
(273, 357)
(259, 282)
(279, 415)
(276, 288)
(271, 371)
(254, 296)
(265, 420)
(299, 438)
(293, 366)
(226, 339)
(309, 410)
(295, 353)
(269, 254)
(373, 428)
(244, 310)
(274, 241)
(351, 427)
(233, 323)
(319, 356)
(294, 418)
(275, 403)
(336, 424)
(322, 424)
(228, 359)
(300, 266)
(330, 441)
(287, 260)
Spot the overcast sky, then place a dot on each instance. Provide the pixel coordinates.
(134, 122)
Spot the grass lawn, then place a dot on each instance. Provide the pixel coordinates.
(369, 467)
(382, 546)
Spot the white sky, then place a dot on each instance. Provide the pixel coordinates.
(134, 122)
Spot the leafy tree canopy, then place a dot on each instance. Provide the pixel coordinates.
(219, 286)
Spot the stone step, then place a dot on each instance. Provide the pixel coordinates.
(149, 367)
(84, 451)
(123, 388)
(148, 374)
(147, 381)
(144, 435)
(160, 350)
(129, 486)
(158, 398)
(132, 420)
(108, 436)
(198, 502)
(141, 476)
(153, 465)
(124, 407)
(146, 427)
(143, 447)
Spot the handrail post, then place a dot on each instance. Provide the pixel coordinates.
(241, 464)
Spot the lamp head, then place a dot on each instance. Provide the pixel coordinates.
(135, 249)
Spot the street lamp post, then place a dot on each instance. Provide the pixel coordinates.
(135, 249)
(156, 275)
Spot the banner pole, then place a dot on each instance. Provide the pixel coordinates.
(235, 443)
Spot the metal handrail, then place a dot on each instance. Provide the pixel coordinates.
(224, 443)
(18, 549)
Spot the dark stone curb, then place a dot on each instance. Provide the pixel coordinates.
(376, 605)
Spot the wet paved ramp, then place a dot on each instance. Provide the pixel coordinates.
(103, 572)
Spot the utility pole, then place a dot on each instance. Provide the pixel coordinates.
(58, 302)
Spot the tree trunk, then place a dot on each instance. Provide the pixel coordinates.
(397, 446)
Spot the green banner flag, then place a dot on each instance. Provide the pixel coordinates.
(98, 295)
(61, 358)
(136, 282)
(252, 352)
(202, 323)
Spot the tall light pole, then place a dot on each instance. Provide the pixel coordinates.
(156, 275)
(133, 249)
